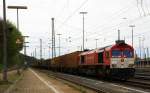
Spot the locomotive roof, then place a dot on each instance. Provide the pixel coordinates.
(96, 50)
(120, 43)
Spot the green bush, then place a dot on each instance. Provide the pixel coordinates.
(13, 47)
(1, 67)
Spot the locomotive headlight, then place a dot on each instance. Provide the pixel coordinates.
(122, 60)
(114, 65)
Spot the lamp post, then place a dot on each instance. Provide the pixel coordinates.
(41, 50)
(83, 13)
(17, 8)
(59, 42)
(69, 42)
(25, 44)
(44, 53)
(118, 34)
(132, 26)
(140, 46)
(124, 18)
(49, 47)
(35, 52)
(4, 43)
(53, 39)
(143, 39)
(96, 42)
(25, 47)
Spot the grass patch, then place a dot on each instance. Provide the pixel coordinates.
(1, 66)
(12, 77)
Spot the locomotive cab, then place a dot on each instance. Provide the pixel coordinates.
(113, 61)
(122, 60)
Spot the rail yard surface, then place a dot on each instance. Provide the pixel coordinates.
(37, 82)
(102, 86)
(12, 76)
(46, 81)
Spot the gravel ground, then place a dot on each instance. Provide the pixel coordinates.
(65, 86)
(37, 82)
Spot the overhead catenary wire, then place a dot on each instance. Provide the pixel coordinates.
(105, 31)
(61, 11)
(121, 10)
(109, 20)
(76, 10)
(114, 27)
(143, 8)
(146, 6)
(115, 15)
(96, 31)
(138, 8)
(127, 8)
(128, 36)
(106, 42)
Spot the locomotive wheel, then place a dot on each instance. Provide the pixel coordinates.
(107, 73)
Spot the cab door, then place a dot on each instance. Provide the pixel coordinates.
(100, 57)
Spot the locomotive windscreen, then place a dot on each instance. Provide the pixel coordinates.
(128, 53)
(116, 53)
(124, 53)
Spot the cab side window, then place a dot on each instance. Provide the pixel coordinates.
(107, 54)
(100, 57)
(82, 59)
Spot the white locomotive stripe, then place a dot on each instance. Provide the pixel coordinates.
(46, 83)
(130, 88)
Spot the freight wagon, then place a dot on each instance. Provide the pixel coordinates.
(66, 63)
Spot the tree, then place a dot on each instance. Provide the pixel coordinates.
(13, 47)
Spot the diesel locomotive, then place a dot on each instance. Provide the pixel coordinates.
(113, 61)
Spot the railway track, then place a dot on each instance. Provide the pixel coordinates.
(141, 80)
(139, 83)
(142, 76)
(80, 81)
(100, 86)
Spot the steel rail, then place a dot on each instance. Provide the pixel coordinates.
(97, 85)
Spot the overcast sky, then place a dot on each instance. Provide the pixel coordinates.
(102, 21)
